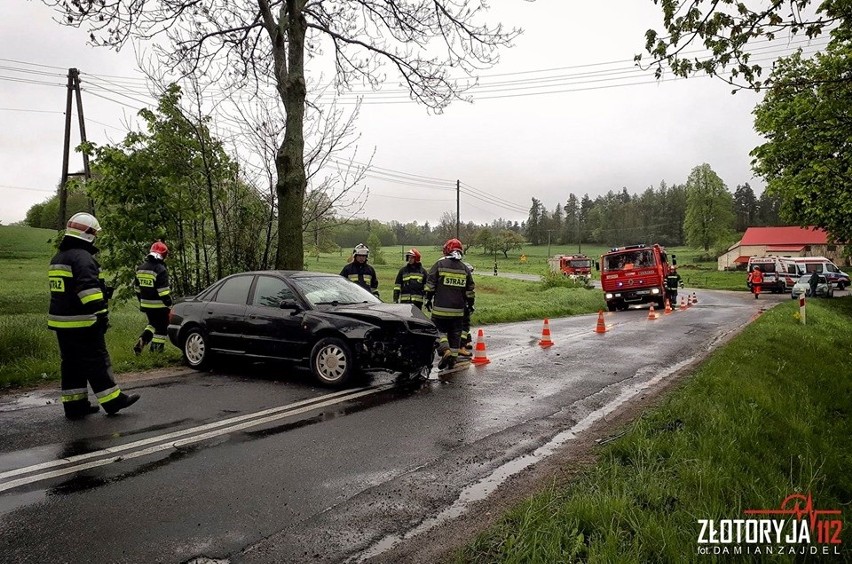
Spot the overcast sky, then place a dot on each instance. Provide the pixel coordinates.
(603, 126)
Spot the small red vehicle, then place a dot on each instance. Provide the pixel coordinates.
(635, 274)
(577, 267)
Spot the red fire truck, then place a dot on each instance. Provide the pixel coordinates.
(578, 267)
(635, 274)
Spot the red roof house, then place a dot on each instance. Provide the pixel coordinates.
(780, 241)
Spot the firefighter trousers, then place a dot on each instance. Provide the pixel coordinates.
(155, 331)
(85, 360)
(450, 329)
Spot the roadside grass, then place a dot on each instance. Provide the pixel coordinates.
(766, 416)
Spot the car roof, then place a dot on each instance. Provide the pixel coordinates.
(290, 273)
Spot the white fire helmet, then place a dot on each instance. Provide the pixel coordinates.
(83, 226)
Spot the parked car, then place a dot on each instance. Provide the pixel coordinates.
(803, 287)
(323, 321)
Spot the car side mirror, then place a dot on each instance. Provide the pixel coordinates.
(291, 304)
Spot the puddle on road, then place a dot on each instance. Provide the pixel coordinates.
(485, 487)
(35, 399)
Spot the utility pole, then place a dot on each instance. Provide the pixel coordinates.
(73, 90)
(458, 206)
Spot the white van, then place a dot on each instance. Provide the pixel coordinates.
(793, 267)
(772, 269)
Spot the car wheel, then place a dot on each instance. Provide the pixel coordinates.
(196, 351)
(332, 362)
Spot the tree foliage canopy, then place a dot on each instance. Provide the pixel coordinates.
(807, 121)
(725, 28)
(709, 208)
(264, 44)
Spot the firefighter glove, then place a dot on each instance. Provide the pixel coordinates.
(108, 292)
(103, 322)
(429, 305)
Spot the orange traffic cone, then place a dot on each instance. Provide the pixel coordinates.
(545, 336)
(601, 327)
(668, 309)
(694, 298)
(651, 315)
(479, 352)
(682, 304)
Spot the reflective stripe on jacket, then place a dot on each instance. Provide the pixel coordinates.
(451, 286)
(152, 284)
(76, 290)
(410, 284)
(362, 274)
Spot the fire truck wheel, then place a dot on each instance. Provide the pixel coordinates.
(610, 307)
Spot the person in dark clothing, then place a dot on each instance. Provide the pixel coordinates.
(410, 281)
(813, 282)
(361, 273)
(155, 298)
(78, 314)
(672, 285)
(449, 291)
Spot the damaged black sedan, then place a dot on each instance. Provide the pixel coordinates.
(319, 320)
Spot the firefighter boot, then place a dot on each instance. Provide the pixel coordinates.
(122, 401)
(137, 348)
(157, 347)
(447, 360)
(79, 409)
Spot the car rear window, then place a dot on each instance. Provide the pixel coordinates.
(234, 290)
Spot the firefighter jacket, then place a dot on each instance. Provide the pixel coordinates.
(410, 284)
(755, 277)
(152, 285)
(78, 295)
(673, 281)
(362, 274)
(450, 286)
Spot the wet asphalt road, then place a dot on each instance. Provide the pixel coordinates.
(195, 470)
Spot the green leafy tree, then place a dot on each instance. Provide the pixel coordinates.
(726, 29)
(745, 207)
(709, 206)
(175, 183)
(806, 118)
(536, 223)
(255, 44)
(509, 240)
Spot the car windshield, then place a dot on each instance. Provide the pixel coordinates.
(332, 290)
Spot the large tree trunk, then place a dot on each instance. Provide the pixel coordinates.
(289, 162)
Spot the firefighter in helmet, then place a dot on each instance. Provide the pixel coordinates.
(361, 273)
(410, 281)
(155, 298)
(449, 291)
(672, 285)
(79, 316)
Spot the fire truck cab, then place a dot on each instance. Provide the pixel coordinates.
(576, 267)
(635, 274)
